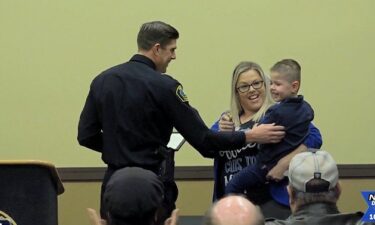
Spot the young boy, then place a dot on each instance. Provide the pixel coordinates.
(292, 112)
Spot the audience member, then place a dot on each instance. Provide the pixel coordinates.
(233, 210)
(314, 191)
(133, 196)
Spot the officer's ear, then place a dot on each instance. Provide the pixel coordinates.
(156, 49)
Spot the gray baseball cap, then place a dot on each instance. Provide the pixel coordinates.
(311, 165)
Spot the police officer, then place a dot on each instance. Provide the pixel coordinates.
(132, 108)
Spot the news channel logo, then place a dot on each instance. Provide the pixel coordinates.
(369, 197)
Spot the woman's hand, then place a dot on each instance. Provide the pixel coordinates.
(226, 123)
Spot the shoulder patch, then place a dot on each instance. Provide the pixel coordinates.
(6, 219)
(180, 94)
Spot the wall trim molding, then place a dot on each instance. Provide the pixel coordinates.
(95, 174)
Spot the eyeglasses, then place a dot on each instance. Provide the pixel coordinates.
(246, 87)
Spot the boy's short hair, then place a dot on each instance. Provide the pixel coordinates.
(289, 68)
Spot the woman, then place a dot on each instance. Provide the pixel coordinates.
(250, 99)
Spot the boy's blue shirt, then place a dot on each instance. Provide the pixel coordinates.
(295, 115)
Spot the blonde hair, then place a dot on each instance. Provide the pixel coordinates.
(235, 106)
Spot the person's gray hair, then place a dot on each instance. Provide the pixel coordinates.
(301, 198)
(155, 32)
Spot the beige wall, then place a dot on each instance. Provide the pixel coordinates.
(51, 50)
(194, 198)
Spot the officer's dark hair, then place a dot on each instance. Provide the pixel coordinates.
(155, 32)
(301, 198)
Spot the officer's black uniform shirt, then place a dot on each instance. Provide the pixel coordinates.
(131, 110)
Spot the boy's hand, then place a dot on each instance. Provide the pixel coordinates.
(278, 171)
(265, 133)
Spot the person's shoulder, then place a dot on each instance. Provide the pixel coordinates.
(294, 101)
(274, 221)
(97, 81)
(272, 109)
(305, 105)
(109, 71)
(169, 80)
(299, 99)
(166, 82)
(173, 87)
(114, 69)
(354, 218)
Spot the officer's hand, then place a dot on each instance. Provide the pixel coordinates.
(226, 123)
(265, 133)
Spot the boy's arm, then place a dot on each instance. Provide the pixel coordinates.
(314, 139)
